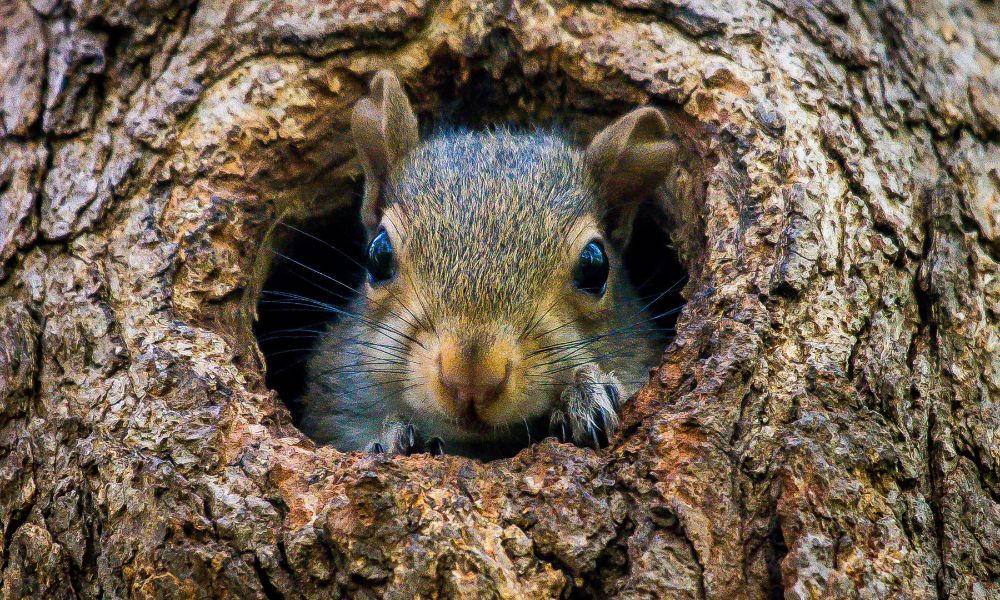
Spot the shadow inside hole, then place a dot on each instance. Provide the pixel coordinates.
(656, 272)
(312, 276)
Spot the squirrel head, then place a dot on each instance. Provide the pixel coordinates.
(495, 258)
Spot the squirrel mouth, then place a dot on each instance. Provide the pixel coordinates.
(470, 420)
(467, 404)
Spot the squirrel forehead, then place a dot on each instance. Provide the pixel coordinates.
(468, 169)
(487, 217)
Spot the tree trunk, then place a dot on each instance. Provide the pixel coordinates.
(826, 423)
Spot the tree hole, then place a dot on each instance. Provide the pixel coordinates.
(316, 264)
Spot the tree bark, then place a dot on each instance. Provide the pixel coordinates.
(825, 424)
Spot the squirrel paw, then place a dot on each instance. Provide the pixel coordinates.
(589, 412)
(399, 437)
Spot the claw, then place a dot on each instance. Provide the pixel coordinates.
(559, 428)
(592, 402)
(409, 440)
(435, 446)
(616, 399)
(600, 429)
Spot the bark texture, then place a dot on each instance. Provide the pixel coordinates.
(826, 424)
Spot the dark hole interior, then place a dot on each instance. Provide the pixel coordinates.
(655, 271)
(312, 276)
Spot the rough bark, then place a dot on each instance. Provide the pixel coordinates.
(825, 425)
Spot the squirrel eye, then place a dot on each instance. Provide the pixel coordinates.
(591, 273)
(381, 265)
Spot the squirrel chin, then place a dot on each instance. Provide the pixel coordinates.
(469, 425)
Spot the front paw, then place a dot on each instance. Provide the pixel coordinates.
(400, 437)
(589, 408)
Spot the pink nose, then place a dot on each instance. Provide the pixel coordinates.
(468, 396)
(473, 380)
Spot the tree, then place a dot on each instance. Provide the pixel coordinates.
(824, 425)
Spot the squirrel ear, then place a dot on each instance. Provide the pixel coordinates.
(384, 129)
(629, 159)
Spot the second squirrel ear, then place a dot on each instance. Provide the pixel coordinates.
(384, 129)
(628, 160)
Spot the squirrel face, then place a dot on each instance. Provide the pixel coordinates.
(494, 260)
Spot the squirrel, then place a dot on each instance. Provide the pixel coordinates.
(495, 308)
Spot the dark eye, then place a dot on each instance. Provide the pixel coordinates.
(381, 265)
(591, 273)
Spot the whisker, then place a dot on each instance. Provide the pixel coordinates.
(394, 352)
(333, 309)
(316, 271)
(324, 242)
(628, 328)
(536, 322)
(371, 361)
(306, 333)
(361, 371)
(327, 290)
(301, 308)
(656, 299)
(380, 383)
(587, 383)
(409, 387)
(576, 358)
(589, 359)
(362, 267)
(573, 345)
(416, 292)
(290, 365)
(287, 351)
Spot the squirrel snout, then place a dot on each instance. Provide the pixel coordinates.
(473, 379)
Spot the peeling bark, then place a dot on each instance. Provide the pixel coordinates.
(824, 425)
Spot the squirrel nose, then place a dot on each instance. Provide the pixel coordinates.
(474, 379)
